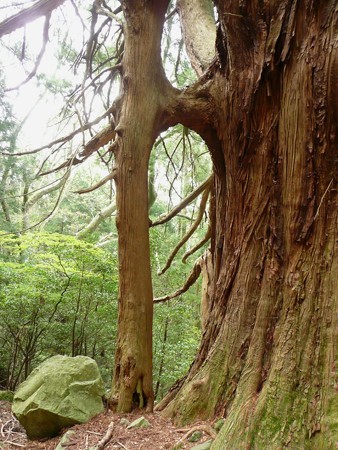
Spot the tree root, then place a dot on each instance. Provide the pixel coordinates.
(205, 428)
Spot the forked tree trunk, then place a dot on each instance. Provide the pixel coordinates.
(266, 361)
(136, 131)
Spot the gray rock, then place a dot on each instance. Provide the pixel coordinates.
(204, 446)
(141, 422)
(124, 422)
(61, 392)
(65, 440)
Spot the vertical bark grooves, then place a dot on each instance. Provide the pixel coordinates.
(267, 353)
(137, 127)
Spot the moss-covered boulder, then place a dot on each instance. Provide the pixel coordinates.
(61, 392)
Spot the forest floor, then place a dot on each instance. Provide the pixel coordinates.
(161, 435)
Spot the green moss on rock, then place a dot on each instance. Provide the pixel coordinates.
(61, 392)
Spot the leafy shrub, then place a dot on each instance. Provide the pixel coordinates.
(57, 295)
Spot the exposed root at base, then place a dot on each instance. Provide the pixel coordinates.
(205, 428)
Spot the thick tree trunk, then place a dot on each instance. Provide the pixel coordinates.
(137, 128)
(266, 360)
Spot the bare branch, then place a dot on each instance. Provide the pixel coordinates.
(46, 191)
(92, 41)
(205, 428)
(99, 218)
(106, 240)
(57, 204)
(178, 60)
(20, 19)
(41, 192)
(112, 71)
(99, 140)
(63, 139)
(33, 191)
(40, 55)
(77, 12)
(16, 4)
(109, 14)
(191, 231)
(104, 180)
(192, 278)
(47, 216)
(198, 245)
(172, 13)
(171, 161)
(186, 201)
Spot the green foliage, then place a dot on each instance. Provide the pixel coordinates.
(58, 295)
(176, 336)
(177, 322)
(6, 396)
(53, 84)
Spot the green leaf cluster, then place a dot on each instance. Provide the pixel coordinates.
(57, 296)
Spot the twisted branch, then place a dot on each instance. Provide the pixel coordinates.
(192, 278)
(192, 229)
(185, 202)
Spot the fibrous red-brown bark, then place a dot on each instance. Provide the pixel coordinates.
(137, 127)
(267, 353)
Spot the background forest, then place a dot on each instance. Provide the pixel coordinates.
(58, 255)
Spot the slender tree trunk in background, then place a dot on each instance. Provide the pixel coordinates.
(3, 182)
(136, 130)
(266, 361)
(163, 349)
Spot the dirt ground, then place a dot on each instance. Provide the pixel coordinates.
(161, 435)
